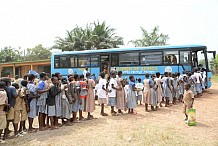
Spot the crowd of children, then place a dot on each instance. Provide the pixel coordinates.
(58, 98)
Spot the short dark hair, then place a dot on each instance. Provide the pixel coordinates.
(119, 72)
(2, 84)
(31, 77)
(130, 77)
(139, 80)
(24, 83)
(76, 76)
(102, 75)
(64, 80)
(16, 77)
(81, 76)
(7, 81)
(158, 74)
(88, 74)
(15, 85)
(147, 75)
(25, 77)
(42, 75)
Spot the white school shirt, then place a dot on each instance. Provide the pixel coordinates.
(113, 91)
(198, 77)
(102, 93)
(139, 86)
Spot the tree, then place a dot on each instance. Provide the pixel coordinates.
(95, 35)
(38, 53)
(151, 39)
(9, 54)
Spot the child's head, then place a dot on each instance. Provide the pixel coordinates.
(81, 77)
(113, 75)
(7, 81)
(31, 77)
(102, 75)
(64, 80)
(43, 76)
(16, 77)
(76, 77)
(170, 74)
(54, 80)
(58, 75)
(15, 85)
(147, 75)
(131, 78)
(174, 75)
(153, 76)
(139, 80)
(71, 78)
(25, 77)
(120, 73)
(189, 74)
(24, 83)
(187, 86)
(178, 74)
(166, 74)
(158, 74)
(88, 75)
(2, 85)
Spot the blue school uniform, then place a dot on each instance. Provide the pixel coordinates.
(131, 97)
(154, 93)
(76, 104)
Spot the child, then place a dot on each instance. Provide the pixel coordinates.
(3, 102)
(131, 99)
(90, 99)
(158, 81)
(188, 99)
(167, 88)
(32, 100)
(112, 93)
(102, 93)
(66, 107)
(154, 88)
(175, 88)
(121, 98)
(19, 109)
(147, 92)
(50, 101)
(140, 87)
(43, 89)
(75, 99)
(83, 95)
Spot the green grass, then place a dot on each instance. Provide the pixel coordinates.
(215, 78)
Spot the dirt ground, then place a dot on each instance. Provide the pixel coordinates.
(163, 127)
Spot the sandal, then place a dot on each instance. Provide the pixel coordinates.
(104, 114)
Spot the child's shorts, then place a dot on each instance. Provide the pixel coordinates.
(102, 100)
(139, 97)
(51, 111)
(20, 115)
(10, 114)
(3, 121)
(186, 108)
(112, 101)
(83, 105)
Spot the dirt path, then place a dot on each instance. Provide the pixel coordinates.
(164, 127)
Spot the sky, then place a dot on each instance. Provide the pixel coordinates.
(27, 23)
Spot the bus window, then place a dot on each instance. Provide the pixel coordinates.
(64, 62)
(171, 57)
(185, 57)
(114, 59)
(73, 61)
(94, 61)
(128, 59)
(151, 58)
(84, 61)
(56, 62)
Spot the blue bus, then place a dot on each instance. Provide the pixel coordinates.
(135, 61)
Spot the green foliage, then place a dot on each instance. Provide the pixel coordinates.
(95, 35)
(38, 53)
(151, 39)
(9, 54)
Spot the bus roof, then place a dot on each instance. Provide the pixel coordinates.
(155, 48)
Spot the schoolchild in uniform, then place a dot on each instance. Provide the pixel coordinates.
(19, 109)
(12, 95)
(131, 99)
(3, 102)
(171, 100)
(66, 107)
(90, 99)
(32, 101)
(175, 89)
(43, 89)
(140, 87)
(58, 99)
(113, 87)
(75, 99)
(188, 100)
(167, 88)
(147, 92)
(154, 88)
(102, 93)
(83, 91)
(50, 101)
(121, 98)
(191, 81)
(158, 81)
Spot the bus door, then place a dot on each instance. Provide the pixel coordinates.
(104, 62)
(209, 67)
